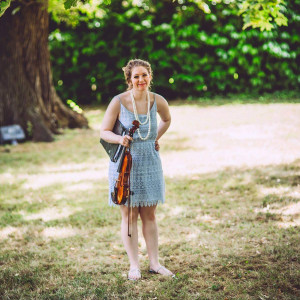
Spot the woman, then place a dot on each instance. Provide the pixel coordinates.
(147, 182)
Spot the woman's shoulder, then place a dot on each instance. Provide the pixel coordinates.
(161, 103)
(158, 96)
(160, 99)
(123, 97)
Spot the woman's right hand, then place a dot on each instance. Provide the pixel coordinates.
(125, 140)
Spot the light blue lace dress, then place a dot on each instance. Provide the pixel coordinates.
(147, 181)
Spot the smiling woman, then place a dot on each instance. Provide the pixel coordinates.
(146, 176)
(138, 72)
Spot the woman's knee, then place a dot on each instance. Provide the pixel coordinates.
(134, 213)
(147, 215)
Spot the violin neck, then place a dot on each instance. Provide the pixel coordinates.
(124, 149)
(121, 159)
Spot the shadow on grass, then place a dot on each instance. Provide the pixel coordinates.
(228, 234)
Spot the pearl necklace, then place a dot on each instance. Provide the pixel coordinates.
(148, 119)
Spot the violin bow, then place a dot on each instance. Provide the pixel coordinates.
(129, 214)
(136, 125)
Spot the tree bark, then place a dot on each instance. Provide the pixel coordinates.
(27, 94)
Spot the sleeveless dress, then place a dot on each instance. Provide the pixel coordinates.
(146, 176)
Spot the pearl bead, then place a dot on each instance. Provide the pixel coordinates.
(148, 119)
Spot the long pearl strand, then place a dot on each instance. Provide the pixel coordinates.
(148, 119)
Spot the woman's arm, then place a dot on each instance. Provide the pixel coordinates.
(164, 113)
(109, 120)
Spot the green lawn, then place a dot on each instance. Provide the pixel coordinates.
(229, 228)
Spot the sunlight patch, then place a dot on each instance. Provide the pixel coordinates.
(289, 210)
(207, 219)
(58, 232)
(176, 210)
(290, 214)
(38, 181)
(280, 191)
(66, 167)
(66, 174)
(287, 224)
(79, 187)
(74, 167)
(251, 132)
(193, 235)
(171, 210)
(6, 178)
(5, 232)
(51, 213)
(58, 196)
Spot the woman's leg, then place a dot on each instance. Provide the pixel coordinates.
(150, 233)
(131, 243)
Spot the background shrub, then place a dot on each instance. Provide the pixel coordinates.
(193, 54)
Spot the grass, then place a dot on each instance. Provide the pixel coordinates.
(229, 227)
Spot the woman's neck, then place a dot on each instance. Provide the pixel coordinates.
(139, 95)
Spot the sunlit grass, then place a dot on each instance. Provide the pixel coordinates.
(229, 227)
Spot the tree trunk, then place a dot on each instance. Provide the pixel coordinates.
(27, 94)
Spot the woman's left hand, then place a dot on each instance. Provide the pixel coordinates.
(156, 146)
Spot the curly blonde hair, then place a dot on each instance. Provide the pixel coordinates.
(132, 64)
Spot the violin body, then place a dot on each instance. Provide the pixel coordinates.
(121, 193)
(122, 187)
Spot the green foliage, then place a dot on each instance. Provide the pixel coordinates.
(4, 5)
(74, 106)
(258, 13)
(72, 16)
(193, 53)
(69, 3)
(261, 13)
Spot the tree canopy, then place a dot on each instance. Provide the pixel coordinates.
(261, 14)
(193, 53)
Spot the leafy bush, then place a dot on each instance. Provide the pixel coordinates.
(193, 54)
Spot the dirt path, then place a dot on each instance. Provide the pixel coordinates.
(206, 139)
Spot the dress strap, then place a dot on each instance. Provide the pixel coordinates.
(121, 107)
(154, 103)
(118, 96)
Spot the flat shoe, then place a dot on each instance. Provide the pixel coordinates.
(136, 272)
(161, 268)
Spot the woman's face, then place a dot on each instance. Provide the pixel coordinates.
(140, 78)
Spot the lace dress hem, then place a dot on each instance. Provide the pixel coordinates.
(139, 204)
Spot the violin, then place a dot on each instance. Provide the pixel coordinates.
(121, 193)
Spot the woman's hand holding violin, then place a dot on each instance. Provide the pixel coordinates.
(125, 140)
